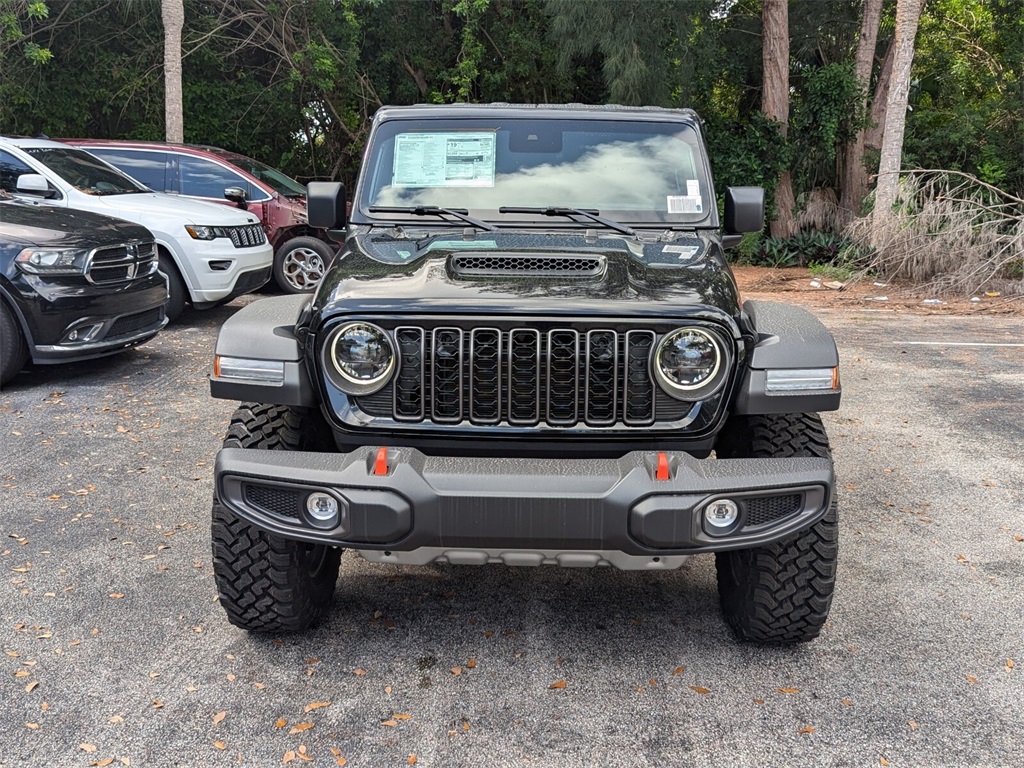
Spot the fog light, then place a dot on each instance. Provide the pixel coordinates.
(73, 336)
(721, 513)
(322, 507)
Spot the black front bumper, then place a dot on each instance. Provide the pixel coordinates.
(413, 501)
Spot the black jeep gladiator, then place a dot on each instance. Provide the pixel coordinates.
(530, 350)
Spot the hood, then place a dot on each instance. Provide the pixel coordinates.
(523, 272)
(64, 228)
(185, 211)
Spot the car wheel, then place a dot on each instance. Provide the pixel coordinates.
(175, 288)
(13, 348)
(267, 583)
(780, 592)
(300, 264)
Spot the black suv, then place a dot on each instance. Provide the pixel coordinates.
(530, 350)
(74, 285)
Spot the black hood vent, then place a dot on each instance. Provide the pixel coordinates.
(526, 265)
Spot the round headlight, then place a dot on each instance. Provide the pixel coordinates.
(363, 356)
(687, 360)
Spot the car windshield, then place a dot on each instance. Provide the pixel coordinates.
(631, 171)
(85, 172)
(279, 182)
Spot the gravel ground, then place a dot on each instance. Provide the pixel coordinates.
(117, 652)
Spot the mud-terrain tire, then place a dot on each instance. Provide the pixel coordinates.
(13, 349)
(781, 592)
(301, 263)
(267, 583)
(176, 290)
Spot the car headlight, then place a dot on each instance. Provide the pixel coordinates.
(200, 232)
(52, 261)
(687, 360)
(362, 356)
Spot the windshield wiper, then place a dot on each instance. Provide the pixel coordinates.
(584, 212)
(433, 210)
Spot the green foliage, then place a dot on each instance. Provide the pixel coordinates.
(824, 252)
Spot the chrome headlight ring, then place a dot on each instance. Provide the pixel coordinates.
(359, 358)
(690, 363)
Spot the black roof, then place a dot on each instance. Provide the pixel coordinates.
(579, 111)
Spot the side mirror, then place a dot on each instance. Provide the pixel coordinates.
(34, 184)
(744, 210)
(236, 195)
(326, 208)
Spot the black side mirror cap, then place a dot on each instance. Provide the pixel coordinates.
(744, 210)
(326, 209)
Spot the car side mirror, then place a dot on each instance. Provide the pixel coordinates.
(744, 210)
(34, 184)
(236, 195)
(326, 208)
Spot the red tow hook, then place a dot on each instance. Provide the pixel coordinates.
(380, 464)
(662, 472)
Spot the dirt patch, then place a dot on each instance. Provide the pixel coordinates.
(798, 286)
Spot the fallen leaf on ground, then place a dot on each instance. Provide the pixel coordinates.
(359, 672)
(401, 716)
(289, 756)
(87, 747)
(102, 763)
(117, 595)
(558, 684)
(678, 670)
(411, 760)
(389, 723)
(912, 724)
(847, 703)
(972, 680)
(806, 729)
(471, 664)
(787, 690)
(31, 686)
(700, 689)
(219, 717)
(316, 705)
(299, 728)
(759, 701)
(882, 761)
(456, 671)
(115, 719)
(220, 745)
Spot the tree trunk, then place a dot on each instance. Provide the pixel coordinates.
(173, 12)
(855, 175)
(775, 100)
(873, 135)
(908, 13)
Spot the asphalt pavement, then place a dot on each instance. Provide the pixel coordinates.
(115, 648)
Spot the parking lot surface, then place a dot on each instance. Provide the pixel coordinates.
(115, 648)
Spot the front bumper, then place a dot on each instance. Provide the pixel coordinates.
(221, 272)
(422, 508)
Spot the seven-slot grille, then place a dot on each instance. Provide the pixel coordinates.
(121, 262)
(525, 377)
(246, 236)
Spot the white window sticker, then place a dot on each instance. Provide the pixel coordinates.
(684, 204)
(444, 160)
(693, 188)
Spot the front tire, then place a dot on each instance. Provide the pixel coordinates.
(176, 290)
(267, 583)
(300, 264)
(13, 348)
(780, 592)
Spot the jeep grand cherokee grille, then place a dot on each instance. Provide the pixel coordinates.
(246, 236)
(519, 376)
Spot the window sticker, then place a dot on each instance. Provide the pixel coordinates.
(693, 187)
(444, 160)
(684, 204)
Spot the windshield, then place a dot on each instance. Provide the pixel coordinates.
(283, 185)
(85, 172)
(636, 172)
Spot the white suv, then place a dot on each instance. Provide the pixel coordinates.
(209, 253)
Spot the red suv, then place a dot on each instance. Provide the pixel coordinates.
(301, 253)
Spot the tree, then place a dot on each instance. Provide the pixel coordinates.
(908, 13)
(173, 13)
(854, 185)
(775, 101)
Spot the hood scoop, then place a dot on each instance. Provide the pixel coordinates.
(493, 264)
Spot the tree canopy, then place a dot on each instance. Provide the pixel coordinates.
(295, 82)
